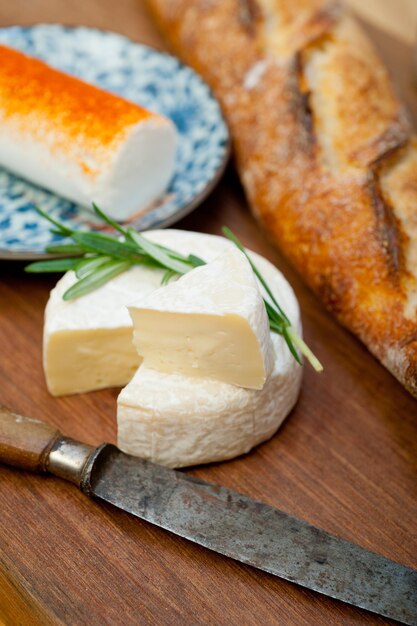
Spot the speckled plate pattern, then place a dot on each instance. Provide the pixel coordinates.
(153, 79)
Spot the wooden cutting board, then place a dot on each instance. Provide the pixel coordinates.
(346, 459)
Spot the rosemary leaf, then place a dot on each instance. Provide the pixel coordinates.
(65, 248)
(157, 253)
(195, 260)
(304, 349)
(51, 265)
(277, 318)
(96, 279)
(290, 343)
(168, 274)
(111, 222)
(228, 233)
(61, 229)
(60, 233)
(90, 264)
(274, 316)
(172, 253)
(104, 244)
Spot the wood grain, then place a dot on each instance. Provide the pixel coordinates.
(346, 459)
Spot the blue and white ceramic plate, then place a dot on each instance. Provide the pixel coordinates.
(150, 78)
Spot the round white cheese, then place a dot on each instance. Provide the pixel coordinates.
(167, 418)
(179, 421)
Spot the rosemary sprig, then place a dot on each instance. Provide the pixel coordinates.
(282, 324)
(102, 257)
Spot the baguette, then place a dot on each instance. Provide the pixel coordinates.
(324, 150)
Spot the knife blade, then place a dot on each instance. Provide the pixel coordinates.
(217, 518)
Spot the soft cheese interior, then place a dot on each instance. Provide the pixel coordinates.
(87, 343)
(211, 323)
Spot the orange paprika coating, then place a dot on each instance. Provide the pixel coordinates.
(63, 111)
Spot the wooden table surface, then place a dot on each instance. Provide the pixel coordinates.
(344, 460)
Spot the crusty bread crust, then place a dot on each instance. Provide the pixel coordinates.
(324, 151)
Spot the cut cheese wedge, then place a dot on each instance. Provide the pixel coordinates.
(178, 421)
(87, 342)
(79, 141)
(211, 323)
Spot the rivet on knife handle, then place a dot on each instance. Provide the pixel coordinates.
(33, 445)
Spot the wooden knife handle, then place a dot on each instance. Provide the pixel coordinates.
(33, 445)
(25, 442)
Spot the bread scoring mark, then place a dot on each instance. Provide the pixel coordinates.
(388, 227)
(300, 103)
(398, 182)
(395, 136)
(325, 151)
(286, 28)
(389, 157)
(249, 14)
(357, 116)
(409, 339)
(322, 22)
(330, 290)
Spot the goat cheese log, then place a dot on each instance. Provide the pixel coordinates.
(324, 151)
(81, 142)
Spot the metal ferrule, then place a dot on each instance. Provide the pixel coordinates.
(68, 459)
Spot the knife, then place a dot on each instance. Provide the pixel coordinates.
(215, 517)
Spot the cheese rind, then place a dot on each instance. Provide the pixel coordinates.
(79, 141)
(179, 421)
(211, 323)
